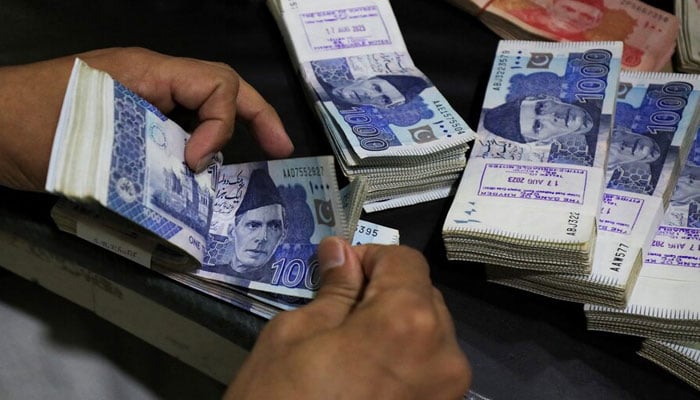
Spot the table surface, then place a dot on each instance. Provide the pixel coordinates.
(521, 346)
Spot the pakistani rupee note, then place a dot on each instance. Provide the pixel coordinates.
(649, 34)
(268, 218)
(114, 148)
(353, 57)
(656, 121)
(668, 286)
(536, 172)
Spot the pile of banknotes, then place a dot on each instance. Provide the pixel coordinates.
(649, 34)
(644, 161)
(384, 118)
(532, 189)
(564, 132)
(664, 306)
(688, 49)
(680, 358)
(665, 301)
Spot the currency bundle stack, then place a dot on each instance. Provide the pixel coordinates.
(532, 189)
(665, 303)
(688, 54)
(656, 122)
(649, 34)
(680, 358)
(383, 117)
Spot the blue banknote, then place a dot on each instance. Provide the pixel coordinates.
(655, 115)
(268, 218)
(655, 123)
(549, 103)
(149, 182)
(536, 169)
(383, 105)
(684, 208)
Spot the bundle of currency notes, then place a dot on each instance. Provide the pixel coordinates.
(531, 192)
(664, 303)
(383, 117)
(656, 121)
(649, 34)
(680, 358)
(688, 49)
(254, 225)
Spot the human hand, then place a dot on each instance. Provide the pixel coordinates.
(377, 329)
(31, 96)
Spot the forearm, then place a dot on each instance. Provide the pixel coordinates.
(30, 100)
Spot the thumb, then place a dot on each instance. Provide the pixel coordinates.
(342, 282)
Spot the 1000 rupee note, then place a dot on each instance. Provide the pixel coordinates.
(655, 124)
(668, 286)
(656, 120)
(268, 218)
(352, 56)
(536, 172)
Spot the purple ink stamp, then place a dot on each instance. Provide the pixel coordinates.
(619, 213)
(345, 28)
(559, 184)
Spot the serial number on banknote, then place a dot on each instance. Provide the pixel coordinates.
(500, 71)
(295, 172)
(572, 224)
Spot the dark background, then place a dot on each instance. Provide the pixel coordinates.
(521, 346)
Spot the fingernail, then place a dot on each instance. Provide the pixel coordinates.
(333, 254)
(204, 163)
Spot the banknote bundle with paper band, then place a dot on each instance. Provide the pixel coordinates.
(383, 117)
(680, 358)
(255, 225)
(531, 192)
(656, 124)
(688, 48)
(664, 303)
(649, 34)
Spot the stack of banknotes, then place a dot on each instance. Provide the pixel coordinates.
(532, 189)
(384, 118)
(688, 50)
(649, 34)
(252, 226)
(665, 301)
(656, 124)
(680, 358)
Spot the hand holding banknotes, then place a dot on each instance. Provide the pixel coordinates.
(31, 99)
(377, 329)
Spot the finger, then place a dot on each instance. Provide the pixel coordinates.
(342, 282)
(212, 91)
(394, 267)
(264, 122)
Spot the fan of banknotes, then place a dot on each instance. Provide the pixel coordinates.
(649, 34)
(532, 188)
(383, 117)
(688, 54)
(645, 157)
